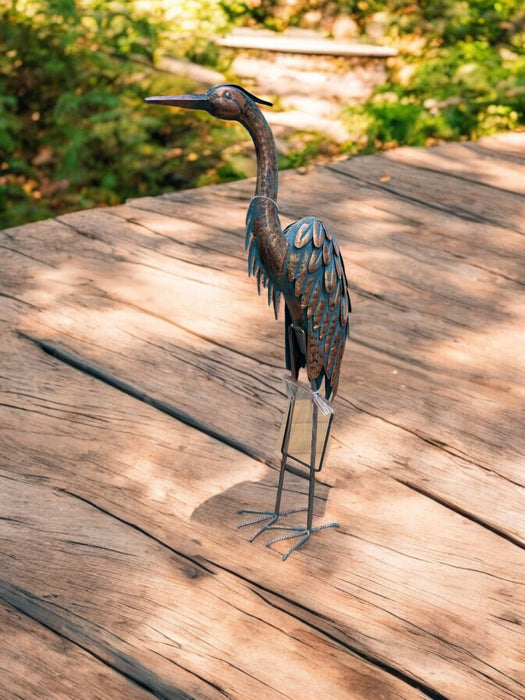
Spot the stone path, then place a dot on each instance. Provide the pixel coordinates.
(310, 89)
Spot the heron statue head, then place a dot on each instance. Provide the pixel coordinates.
(229, 102)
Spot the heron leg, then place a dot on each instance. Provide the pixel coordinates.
(270, 516)
(303, 533)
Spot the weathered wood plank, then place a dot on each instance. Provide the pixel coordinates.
(355, 586)
(390, 388)
(36, 662)
(132, 528)
(420, 592)
(367, 220)
(506, 145)
(474, 202)
(465, 161)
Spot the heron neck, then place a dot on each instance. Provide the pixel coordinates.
(263, 217)
(267, 167)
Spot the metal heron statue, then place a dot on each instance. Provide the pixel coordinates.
(303, 264)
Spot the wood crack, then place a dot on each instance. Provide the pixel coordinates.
(199, 568)
(463, 512)
(457, 212)
(426, 690)
(87, 638)
(33, 258)
(86, 367)
(18, 300)
(195, 675)
(249, 675)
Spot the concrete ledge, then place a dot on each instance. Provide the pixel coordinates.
(309, 45)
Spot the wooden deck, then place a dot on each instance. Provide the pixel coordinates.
(141, 394)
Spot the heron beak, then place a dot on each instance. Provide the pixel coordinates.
(186, 101)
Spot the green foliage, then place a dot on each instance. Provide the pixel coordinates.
(458, 75)
(308, 148)
(74, 131)
(470, 20)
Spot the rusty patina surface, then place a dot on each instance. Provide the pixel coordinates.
(303, 263)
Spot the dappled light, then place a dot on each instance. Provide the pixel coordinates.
(141, 400)
(76, 133)
(141, 381)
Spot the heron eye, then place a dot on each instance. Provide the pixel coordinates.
(228, 95)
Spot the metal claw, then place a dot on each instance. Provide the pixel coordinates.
(298, 532)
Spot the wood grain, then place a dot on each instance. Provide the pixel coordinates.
(39, 663)
(133, 529)
(141, 395)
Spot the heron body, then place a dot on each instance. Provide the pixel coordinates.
(303, 263)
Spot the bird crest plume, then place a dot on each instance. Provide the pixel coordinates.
(249, 94)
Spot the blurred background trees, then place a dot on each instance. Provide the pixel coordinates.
(74, 131)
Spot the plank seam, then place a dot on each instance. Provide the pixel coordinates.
(453, 174)
(78, 363)
(457, 212)
(27, 604)
(461, 511)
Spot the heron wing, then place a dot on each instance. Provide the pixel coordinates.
(255, 265)
(316, 270)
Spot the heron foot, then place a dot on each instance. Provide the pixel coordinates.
(303, 532)
(270, 516)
